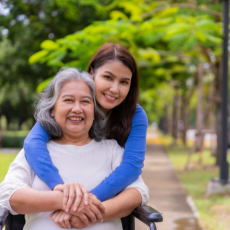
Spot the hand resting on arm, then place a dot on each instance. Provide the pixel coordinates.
(28, 200)
(120, 206)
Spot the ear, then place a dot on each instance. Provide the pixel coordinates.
(52, 113)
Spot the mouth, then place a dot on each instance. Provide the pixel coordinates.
(76, 119)
(109, 98)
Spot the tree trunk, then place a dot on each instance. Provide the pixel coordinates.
(198, 143)
(175, 117)
(199, 111)
(184, 117)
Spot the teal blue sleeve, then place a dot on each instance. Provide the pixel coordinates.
(133, 160)
(38, 156)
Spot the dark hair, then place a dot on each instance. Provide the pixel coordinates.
(119, 123)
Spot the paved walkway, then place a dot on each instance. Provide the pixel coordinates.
(167, 194)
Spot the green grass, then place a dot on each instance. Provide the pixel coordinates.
(214, 210)
(5, 160)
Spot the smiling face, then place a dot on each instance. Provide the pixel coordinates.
(74, 110)
(112, 81)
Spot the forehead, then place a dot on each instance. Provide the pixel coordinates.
(116, 67)
(75, 87)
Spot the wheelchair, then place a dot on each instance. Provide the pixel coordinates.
(144, 213)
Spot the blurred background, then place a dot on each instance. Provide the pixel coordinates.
(178, 48)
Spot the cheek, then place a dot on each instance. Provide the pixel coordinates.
(125, 92)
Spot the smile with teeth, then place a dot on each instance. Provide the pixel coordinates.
(75, 118)
(112, 98)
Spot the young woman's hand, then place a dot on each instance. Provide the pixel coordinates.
(90, 213)
(61, 219)
(74, 193)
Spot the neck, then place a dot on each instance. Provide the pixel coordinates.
(73, 140)
(105, 111)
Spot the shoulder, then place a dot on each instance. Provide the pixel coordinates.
(110, 143)
(140, 116)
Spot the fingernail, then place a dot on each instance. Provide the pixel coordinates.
(75, 209)
(86, 202)
(67, 210)
(64, 206)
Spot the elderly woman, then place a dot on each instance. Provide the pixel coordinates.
(67, 110)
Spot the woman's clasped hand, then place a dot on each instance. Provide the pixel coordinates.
(80, 207)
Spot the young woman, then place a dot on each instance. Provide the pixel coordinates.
(116, 77)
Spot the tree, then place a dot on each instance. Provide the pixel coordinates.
(26, 25)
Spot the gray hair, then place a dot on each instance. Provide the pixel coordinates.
(47, 99)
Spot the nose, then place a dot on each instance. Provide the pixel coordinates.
(77, 107)
(114, 88)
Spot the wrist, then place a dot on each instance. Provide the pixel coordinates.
(56, 187)
(58, 200)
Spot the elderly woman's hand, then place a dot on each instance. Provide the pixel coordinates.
(77, 222)
(61, 219)
(73, 195)
(90, 213)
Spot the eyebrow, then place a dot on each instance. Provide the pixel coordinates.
(69, 95)
(125, 78)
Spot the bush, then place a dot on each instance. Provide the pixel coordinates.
(14, 139)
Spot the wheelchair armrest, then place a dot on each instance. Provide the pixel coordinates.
(147, 214)
(4, 214)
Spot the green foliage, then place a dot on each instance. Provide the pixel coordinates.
(43, 84)
(29, 23)
(165, 44)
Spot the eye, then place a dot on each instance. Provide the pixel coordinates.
(108, 77)
(124, 82)
(68, 99)
(85, 101)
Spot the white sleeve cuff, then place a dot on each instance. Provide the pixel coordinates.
(6, 195)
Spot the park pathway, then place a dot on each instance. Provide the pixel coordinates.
(167, 194)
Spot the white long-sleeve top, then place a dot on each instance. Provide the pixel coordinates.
(87, 165)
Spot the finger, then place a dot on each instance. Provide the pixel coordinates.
(91, 217)
(54, 215)
(97, 213)
(78, 197)
(62, 220)
(56, 220)
(66, 196)
(85, 195)
(84, 219)
(99, 205)
(71, 197)
(67, 220)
